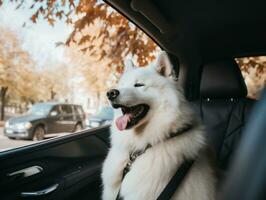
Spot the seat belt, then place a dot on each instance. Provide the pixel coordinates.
(175, 181)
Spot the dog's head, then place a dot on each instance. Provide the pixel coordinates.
(143, 93)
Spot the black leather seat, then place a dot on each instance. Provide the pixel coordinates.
(247, 174)
(223, 107)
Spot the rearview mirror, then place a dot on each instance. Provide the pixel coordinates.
(54, 113)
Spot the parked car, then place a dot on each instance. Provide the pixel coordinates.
(105, 116)
(45, 118)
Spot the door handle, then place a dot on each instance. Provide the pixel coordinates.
(39, 193)
(26, 172)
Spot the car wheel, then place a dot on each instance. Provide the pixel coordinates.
(78, 127)
(38, 133)
(11, 138)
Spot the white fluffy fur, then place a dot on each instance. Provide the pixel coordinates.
(151, 171)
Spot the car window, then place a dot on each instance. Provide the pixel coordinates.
(40, 109)
(254, 73)
(53, 54)
(64, 62)
(66, 109)
(78, 110)
(55, 109)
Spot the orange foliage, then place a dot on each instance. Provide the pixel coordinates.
(116, 38)
(254, 72)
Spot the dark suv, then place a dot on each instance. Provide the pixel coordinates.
(45, 118)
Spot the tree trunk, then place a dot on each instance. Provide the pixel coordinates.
(98, 98)
(3, 99)
(53, 94)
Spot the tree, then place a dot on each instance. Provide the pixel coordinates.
(3, 96)
(100, 33)
(10, 53)
(254, 72)
(116, 36)
(54, 80)
(16, 69)
(92, 73)
(7, 56)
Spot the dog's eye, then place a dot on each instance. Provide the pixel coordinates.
(138, 85)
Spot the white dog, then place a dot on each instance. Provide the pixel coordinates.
(154, 124)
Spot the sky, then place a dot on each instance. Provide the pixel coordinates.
(39, 39)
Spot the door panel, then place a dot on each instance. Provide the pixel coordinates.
(68, 118)
(54, 122)
(68, 166)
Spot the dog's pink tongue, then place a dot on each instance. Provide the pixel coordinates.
(121, 122)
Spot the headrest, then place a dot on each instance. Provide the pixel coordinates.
(222, 79)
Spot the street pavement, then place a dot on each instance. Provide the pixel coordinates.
(6, 143)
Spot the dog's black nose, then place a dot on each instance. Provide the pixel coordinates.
(112, 94)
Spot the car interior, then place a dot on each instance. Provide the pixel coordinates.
(246, 178)
(203, 38)
(223, 107)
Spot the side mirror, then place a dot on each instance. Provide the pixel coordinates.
(54, 113)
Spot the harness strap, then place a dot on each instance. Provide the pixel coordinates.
(134, 155)
(175, 181)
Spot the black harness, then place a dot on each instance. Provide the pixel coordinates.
(176, 180)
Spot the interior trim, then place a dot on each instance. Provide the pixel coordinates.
(49, 143)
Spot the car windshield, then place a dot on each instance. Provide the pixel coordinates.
(106, 113)
(40, 109)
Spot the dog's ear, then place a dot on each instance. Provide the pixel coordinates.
(163, 65)
(128, 65)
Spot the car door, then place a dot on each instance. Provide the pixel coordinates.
(55, 169)
(54, 120)
(79, 114)
(68, 121)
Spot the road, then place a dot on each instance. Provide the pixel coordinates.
(6, 143)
